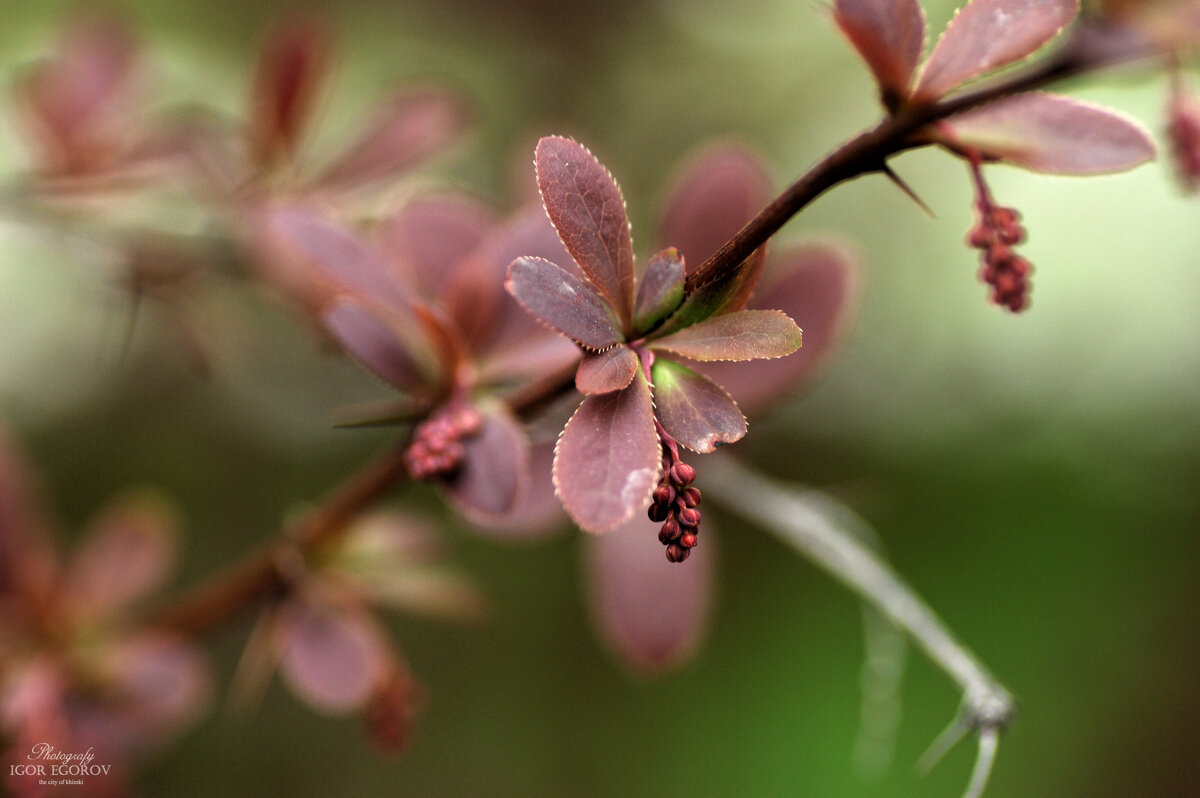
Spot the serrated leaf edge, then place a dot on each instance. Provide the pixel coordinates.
(628, 225)
(653, 344)
(719, 387)
(554, 468)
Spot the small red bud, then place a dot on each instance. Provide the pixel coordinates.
(979, 237)
(677, 553)
(1007, 283)
(689, 540)
(1004, 217)
(691, 497)
(467, 421)
(689, 517)
(658, 512)
(682, 473)
(669, 532)
(1012, 235)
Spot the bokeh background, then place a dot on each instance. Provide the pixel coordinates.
(1034, 477)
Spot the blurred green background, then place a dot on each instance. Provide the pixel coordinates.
(1034, 477)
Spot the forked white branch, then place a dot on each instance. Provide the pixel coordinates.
(821, 529)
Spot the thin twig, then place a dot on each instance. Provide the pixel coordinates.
(989, 742)
(804, 520)
(259, 575)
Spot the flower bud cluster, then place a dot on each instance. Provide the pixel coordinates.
(676, 504)
(996, 233)
(437, 448)
(389, 716)
(1183, 130)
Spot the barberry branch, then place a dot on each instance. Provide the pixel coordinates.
(808, 521)
(1089, 49)
(264, 573)
(258, 577)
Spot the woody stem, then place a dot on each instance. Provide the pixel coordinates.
(1087, 51)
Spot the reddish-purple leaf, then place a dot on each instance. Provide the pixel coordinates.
(727, 293)
(586, 207)
(430, 590)
(744, 335)
(260, 657)
(382, 540)
(70, 100)
(410, 128)
(693, 409)
(391, 560)
(128, 554)
(384, 347)
(607, 459)
(495, 468)
(428, 237)
(292, 65)
(162, 684)
(889, 35)
(310, 253)
(538, 512)
(717, 192)
(817, 285)
(660, 291)
(651, 613)
(607, 371)
(430, 244)
(444, 346)
(563, 301)
(1051, 133)
(989, 34)
(528, 234)
(334, 658)
(539, 353)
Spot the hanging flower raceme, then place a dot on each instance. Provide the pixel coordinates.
(995, 234)
(72, 673)
(421, 304)
(633, 332)
(1035, 130)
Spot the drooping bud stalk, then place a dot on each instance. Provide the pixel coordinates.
(388, 718)
(437, 448)
(996, 232)
(675, 501)
(1183, 130)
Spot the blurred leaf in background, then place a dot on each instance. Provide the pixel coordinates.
(1033, 477)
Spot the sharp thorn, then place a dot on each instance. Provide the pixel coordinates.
(908, 190)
